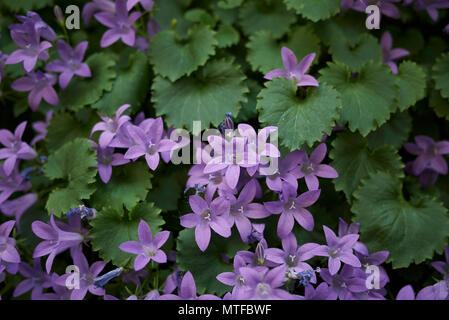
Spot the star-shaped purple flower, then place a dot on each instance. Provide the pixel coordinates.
(17, 207)
(292, 207)
(292, 257)
(31, 49)
(55, 241)
(148, 247)
(286, 173)
(311, 168)
(389, 54)
(187, 291)
(8, 252)
(110, 126)
(148, 142)
(429, 154)
(386, 7)
(264, 285)
(338, 250)
(11, 183)
(234, 279)
(321, 292)
(43, 29)
(242, 208)
(35, 280)
(120, 24)
(441, 266)
(345, 284)
(40, 86)
(293, 70)
(14, 148)
(87, 274)
(71, 63)
(106, 159)
(206, 216)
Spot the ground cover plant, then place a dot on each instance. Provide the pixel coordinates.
(224, 149)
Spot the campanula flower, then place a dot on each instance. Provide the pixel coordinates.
(293, 70)
(8, 251)
(11, 183)
(110, 126)
(17, 207)
(187, 291)
(148, 247)
(146, 4)
(71, 63)
(106, 159)
(42, 29)
(41, 128)
(120, 24)
(14, 148)
(386, 7)
(389, 54)
(40, 85)
(97, 5)
(429, 154)
(35, 280)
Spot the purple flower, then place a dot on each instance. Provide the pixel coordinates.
(148, 248)
(321, 292)
(229, 155)
(292, 207)
(134, 276)
(180, 142)
(259, 151)
(292, 257)
(293, 70)
(347, 4)
(353, 228)
(338, 249)
(110, 126)
(149, 142)
(311, 168)
(8, 252)
(14, 148)
(212, 181)
(55, 241)
(264, 285)
(11, 183)
(31, 47)
(345, 284)
(36, 280)
(386, 7)
(431, 6)
(242, 209)
(43, 29)
(206, 216)
(71, 63)
(40, 86)
(187, 291)
(86, 276)
(234, 279)
(173, 281)
(97, 5)
(146, 4)
(259, 257)
(286, 172)
(17, 207)
(389, 54)
(120, 24)
(106, 159)
(41, 128)
(429, 154)
(438, 291)
(441, 266)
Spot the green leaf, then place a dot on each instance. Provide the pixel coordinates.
(64, 127)
(167, 192)
(412, 230)
(200, 16)
(72, 163)
(249, 110)
(130, 86)
(364, 108)
(174, 57)
(205, 266)
(439, 104)
(264, 51)
(314, 9)
(229, 4)
(212, 91)
(300, 120)
(165, 12)
(26, 5)
(129, 184)
(356, 55)
(394, 132)
(411, 82)
(441, 74)
(112, 227)
(84, 91)
(354, 161)
(227, 36)
(345, 28)
(269, 15)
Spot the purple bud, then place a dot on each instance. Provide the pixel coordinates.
(58, 13)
